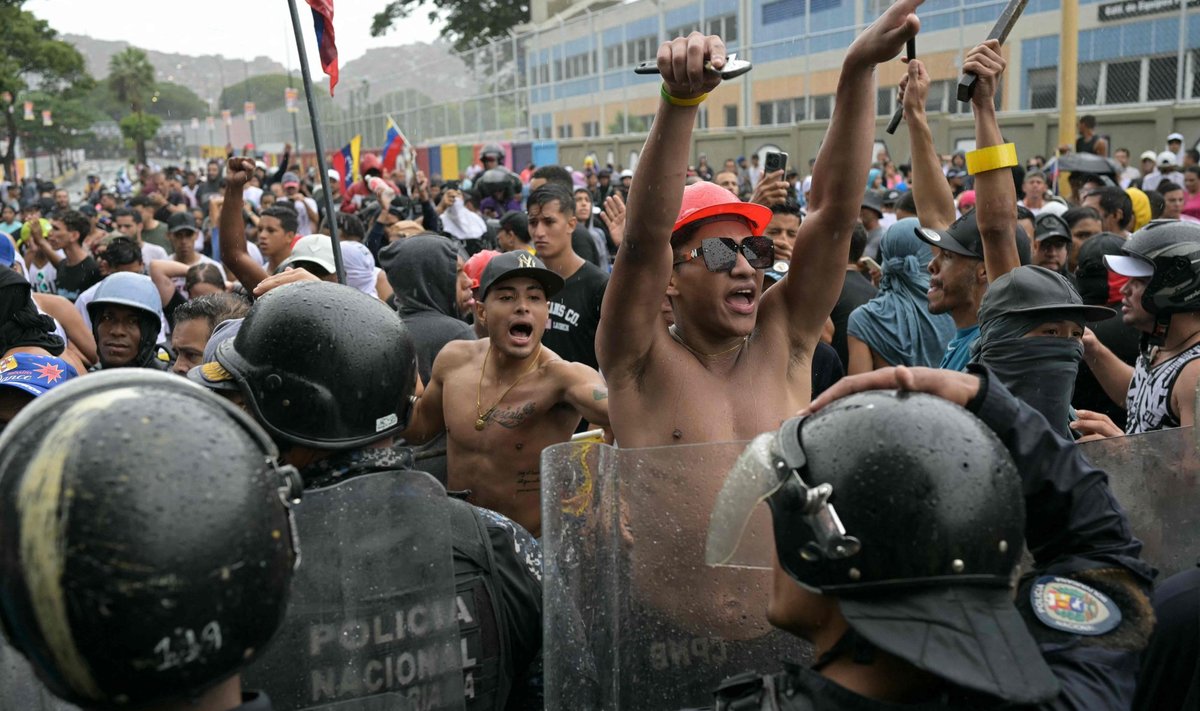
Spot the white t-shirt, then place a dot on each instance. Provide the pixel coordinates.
(304, 225)
(1035, 210)
(253, 195)
(41, 278)
(180, 282)
(151, 252)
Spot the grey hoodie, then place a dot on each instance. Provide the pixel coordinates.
(422, 271)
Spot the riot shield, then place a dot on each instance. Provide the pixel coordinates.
(635, 619)
(20, 689)
(372, 622)
(1156, 477)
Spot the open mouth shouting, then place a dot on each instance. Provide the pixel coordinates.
(742, 299)
(520, 333)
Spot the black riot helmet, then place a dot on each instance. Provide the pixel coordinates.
(323, 365)
(916, 529)
(498, 180)
(146, 544)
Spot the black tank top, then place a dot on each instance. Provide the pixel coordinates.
(1086, 145)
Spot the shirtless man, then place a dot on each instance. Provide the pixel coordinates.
(738, 360)
(504, 398)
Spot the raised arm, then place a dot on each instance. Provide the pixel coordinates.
(585, 390)
(995, 192)
(1111, 372)
(818, 266)
(40, 243)
(233, 228)
(931, 192)
(632, 304)
(162, 271)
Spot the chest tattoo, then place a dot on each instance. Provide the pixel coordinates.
(515, 417)
(528, 482)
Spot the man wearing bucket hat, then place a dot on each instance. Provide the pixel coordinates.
(733, 349)
(504, 398)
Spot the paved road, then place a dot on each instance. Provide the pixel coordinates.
(75, 183)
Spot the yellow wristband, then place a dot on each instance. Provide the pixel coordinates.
(675, 101)
(992, 158)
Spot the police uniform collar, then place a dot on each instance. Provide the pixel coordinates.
(343, 465)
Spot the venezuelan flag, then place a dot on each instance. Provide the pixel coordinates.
(393, 145)
(322, 11)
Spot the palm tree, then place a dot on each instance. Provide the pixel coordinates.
(131, 78)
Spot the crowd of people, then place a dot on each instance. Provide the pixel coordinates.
(152, 523)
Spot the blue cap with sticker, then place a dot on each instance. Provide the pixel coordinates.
(35, 374)
(1070, 606)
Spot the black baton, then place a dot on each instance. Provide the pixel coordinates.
(899, 115)
(1004, 25)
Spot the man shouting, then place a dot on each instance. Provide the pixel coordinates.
(737, 360)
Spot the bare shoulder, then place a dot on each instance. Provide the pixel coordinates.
(457, 354)
(569, 373)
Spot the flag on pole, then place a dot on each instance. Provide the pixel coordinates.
(291, 97)
(394, 144)
(249, 111)
(322, 11)
(345, 162)
(227, 116)
(46, 119)
(28, 110)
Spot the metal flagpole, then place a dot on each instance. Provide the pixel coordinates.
(316, 130)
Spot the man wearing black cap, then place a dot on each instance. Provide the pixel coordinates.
(986, 243)
(525, 397)
(871, 217)
(1051, 242)
(181, 230)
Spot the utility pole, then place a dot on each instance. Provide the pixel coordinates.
(246, 74)
(1068, 83)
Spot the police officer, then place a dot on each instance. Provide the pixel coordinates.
(904, 549)
(146, 574)
(335, 414)
(126, 315)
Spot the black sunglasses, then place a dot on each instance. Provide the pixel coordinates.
(720, 253)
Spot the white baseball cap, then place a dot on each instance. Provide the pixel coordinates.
(315, 249)
(1175, 137)
(1149, 155)
(1166, 158)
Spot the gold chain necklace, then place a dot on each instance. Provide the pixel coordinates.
(482, 418)
(679, 340)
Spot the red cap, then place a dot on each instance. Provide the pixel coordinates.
(477, 263)
(966, 200)
(705, 199)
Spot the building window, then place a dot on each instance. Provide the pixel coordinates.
(1123, 83)
(724, 27)
(641, 49)
(937, 94)
(702, 117)
(564, 130)
(822, 107)
(683, 30)
(591, 129)
(1161, 86)
(1088, 93)
(731, 115)
(883, 101)
(782, 10)
(614, 56)
(1043, 88)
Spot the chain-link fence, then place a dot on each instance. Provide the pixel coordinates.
(573, 78)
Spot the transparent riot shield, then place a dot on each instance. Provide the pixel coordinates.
(635, 619)
(372, 622)
(1156, 477)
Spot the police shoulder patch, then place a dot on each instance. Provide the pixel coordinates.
(1070, 606)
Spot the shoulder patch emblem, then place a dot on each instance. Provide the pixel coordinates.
(1069, 606)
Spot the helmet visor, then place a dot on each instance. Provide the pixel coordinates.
(737, 515)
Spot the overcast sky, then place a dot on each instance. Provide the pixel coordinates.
(241, 29)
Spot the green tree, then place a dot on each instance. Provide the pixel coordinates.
(469, 23)
(139, 128)
(131, 79)
(265, 90)
(33, 53)
(72, 118)
(176, 102)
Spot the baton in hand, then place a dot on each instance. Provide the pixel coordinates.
(734, 67)
(899, 115)
(1008, 18)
